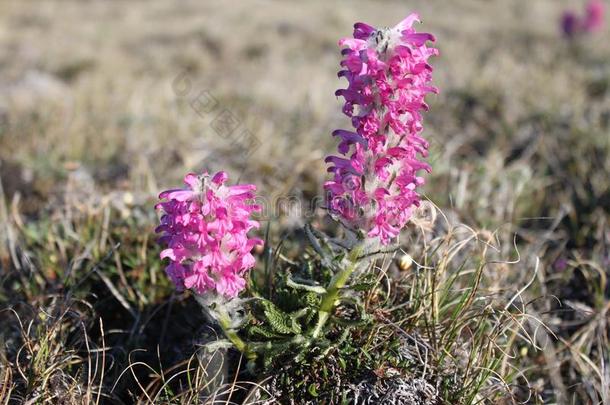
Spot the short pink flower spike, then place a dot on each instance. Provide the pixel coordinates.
(204, 230)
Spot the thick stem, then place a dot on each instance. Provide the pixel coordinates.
(332, 292)
(215, 310)
(239, 344)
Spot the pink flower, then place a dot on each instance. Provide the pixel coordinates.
(570, 24)
(593, 20)
(204, 228)
(373, 189)
(594, 16)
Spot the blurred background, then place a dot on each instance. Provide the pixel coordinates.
(115, 92)
(104, 103)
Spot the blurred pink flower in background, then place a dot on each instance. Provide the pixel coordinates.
(593, 20)
(594, 17)
(570, 24)
(373, 189)
(204, 228)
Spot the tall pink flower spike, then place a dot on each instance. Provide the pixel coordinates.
(204, 228)
(373, 189)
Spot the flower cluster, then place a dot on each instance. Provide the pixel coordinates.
(204, 228)
(593, 20)
(373, 189)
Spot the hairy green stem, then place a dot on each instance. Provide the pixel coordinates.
(332, 292)
(232, 335)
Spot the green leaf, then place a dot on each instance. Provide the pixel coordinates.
(311, 300)
(312, 390)
(262, 331)
(342, 363)
(317, 289)
(280, 321)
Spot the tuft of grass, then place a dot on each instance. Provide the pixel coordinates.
(440, 323)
